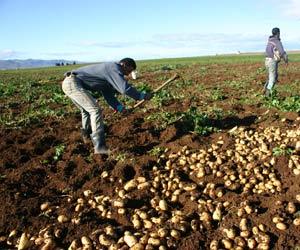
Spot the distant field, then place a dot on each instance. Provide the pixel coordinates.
(33, 88)
(251, 57)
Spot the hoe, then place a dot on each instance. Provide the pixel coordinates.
(158, 89)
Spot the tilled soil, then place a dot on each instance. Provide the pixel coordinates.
(84, 187)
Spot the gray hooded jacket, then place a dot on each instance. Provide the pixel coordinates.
(107, 78)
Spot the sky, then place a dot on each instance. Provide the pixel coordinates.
(106, 30)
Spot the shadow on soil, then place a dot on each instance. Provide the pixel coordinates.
(184, 127)
(232, 121)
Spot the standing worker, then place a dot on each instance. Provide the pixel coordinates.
(106, 78)
(274, 53)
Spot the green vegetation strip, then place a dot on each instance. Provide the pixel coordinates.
(30, 95)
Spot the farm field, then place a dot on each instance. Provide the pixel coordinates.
(208, 163)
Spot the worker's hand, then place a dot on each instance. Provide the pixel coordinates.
(120, 108)
(127, 111)
(124, 111)
(148, 96)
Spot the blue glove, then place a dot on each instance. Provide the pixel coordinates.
(146, 96)
(120, 108)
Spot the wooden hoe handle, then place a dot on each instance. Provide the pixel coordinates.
(158, 89)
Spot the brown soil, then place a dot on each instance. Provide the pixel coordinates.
(30, 176)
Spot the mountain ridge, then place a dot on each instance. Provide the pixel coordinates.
(33, 63)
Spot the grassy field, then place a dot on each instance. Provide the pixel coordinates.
(239, 58)
(38, 94)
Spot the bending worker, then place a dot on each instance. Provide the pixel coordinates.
(106, 78)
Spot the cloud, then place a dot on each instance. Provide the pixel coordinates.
(8, 54)
(291, 8)
(81, 56)
(167, 45)
(184, 41)
(172, 45)
(163, 46)
(64, 54)
(104, 44)
(288, 8)
(210, 43)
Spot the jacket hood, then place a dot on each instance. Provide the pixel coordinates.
(274, 38)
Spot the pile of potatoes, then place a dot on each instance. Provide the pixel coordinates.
(205, 176)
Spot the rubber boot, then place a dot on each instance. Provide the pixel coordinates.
(265, 88)
(85, 136)
(268, 93)
(98, 139)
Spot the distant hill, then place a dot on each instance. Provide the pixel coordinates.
(31, 63)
